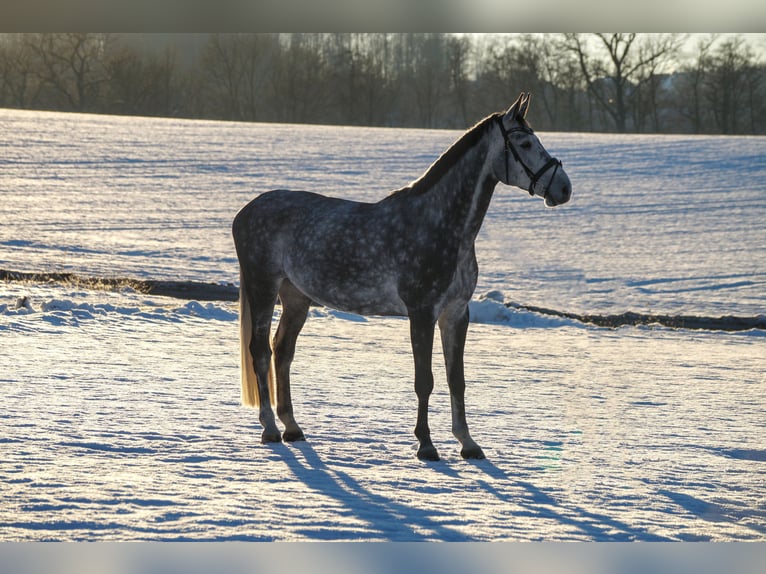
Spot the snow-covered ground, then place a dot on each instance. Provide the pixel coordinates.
(120, 415)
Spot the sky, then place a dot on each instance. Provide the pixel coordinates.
(756, 41)
(393, 15)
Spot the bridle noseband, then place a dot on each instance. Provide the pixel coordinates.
(534, 176)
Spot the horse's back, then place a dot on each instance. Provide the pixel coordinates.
(273, 209)
(274, 213)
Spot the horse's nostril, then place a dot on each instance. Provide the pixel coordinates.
(565, 191)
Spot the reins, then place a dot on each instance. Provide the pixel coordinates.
(533, 176)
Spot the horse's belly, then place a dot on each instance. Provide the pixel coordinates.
(372, 304)
(360, 300)
(365, 292)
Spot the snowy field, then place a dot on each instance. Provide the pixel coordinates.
(120, 414)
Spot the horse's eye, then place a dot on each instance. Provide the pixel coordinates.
(526, 145)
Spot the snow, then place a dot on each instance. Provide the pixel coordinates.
(121, 416)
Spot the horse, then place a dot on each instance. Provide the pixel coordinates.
(410, 254)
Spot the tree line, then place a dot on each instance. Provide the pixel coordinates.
(580, 82)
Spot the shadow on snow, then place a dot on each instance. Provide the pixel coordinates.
(388, 518)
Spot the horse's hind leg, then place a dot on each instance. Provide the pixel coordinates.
(261, 299)
(295, 307)
(422, 338)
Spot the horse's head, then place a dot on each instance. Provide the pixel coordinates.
(524, 162)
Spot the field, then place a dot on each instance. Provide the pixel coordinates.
(121, 417)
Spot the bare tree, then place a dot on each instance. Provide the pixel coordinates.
(297, 79)
(236, 66)
(356, 71)
(428, 76)
(552, 73)
(19, 85)
(72, 65)
(688, 91)
(510, 66)
(610, 79)
(144, 84)
(565, 84)
(727, 84)
(650, 84)
(756, 98)
(458, 63)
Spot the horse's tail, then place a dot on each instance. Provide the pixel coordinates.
(250, 395)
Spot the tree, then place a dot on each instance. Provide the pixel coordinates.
(729, 85)
(550, 71)
(654, 55)
(510, 66)
(458, 63)
(428, 76)
(296, 82)
(141, 84)
(236, 66)
(756, 99)
(72, 65)
(19, 87)
(361, 88)
(610, 79)
(689, 89)
(565, 84)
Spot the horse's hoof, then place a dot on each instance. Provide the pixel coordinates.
(293, 436)
(268, 437)
(474, 453)
(428, 453)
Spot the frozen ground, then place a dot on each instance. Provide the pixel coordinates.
(120, 415)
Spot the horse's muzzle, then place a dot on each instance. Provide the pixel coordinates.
(558, 192)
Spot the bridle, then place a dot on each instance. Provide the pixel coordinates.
(534, 176)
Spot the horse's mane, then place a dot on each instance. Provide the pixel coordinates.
(448, 159)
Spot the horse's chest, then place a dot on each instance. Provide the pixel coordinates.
(439, 276)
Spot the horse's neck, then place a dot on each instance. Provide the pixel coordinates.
(462, 195)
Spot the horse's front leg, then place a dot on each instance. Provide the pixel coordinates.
(453, 325)
(422, 327)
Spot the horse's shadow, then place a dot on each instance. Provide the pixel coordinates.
(536, 501)
(384, 518)
(391, 519)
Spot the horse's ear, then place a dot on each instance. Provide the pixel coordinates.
(525, 105)
(513, 111)
(518, 109)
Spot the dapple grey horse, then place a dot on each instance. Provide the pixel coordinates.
(410, 254)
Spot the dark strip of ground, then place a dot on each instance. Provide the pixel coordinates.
(726, 323)
(199, 291)
(191, 290)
